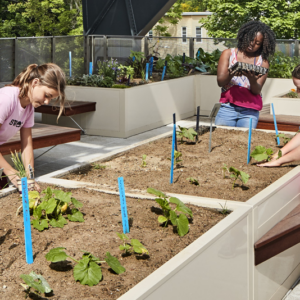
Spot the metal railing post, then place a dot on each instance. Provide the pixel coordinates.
(86, 52)
(53, 50)
(15, 56)
(146, 46)
(296, 51)
(191, 47)
(105, 50)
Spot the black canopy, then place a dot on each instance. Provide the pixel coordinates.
(122, 17)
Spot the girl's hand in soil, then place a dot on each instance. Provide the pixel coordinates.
(272, 163)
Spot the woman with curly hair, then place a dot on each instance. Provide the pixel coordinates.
(241, 93)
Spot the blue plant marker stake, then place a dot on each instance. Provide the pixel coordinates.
(172, 153)
(70, 63)
(147, 71)
(133, 58)
(123, 205)
(151, 66)
(275, 123)
(249, 141)
(91, 68)
(163, 73)
(26, 217)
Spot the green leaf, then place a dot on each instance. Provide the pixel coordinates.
(193, 180)
(279, 154)
(48, 193)
(162, 219)
(245, 177)
(138, 247)
(114, 263)
(76, 203)
(43, 282)
(87, 273)
(76, 216)
(163, 203)
(173, 217)
(269, 151)
(182, 225)
(122, 236)
(58, 223)
(40, 225)
(62, 196)
(156, 193)
(56, 255)
(90, 256)
(37, 213)
(181, 206)
(30, 281)
(50, 205)
(126, 247)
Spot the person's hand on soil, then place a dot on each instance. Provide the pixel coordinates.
(272, 163)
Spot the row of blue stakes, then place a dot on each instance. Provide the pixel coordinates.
(149, 67)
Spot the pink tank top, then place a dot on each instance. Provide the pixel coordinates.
(237, 91)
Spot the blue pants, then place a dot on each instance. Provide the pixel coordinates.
(236, 116)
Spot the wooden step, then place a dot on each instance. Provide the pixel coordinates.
(281, 237)
(284, 122)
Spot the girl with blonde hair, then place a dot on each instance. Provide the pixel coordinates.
(34, 86)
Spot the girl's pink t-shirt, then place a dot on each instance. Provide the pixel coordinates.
(12, 115)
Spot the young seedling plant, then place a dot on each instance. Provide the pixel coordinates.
(261, 153)
(177, 155)
(193, 181)
(188, 133)
(144, 163)
(135, 245)
(49, 209)
(87, 270)
(236, 174)
(36, 282)
(286, 139)
(180, 221)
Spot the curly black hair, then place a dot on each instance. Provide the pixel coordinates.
(247, 33)
(296, 72)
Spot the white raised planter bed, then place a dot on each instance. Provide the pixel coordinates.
(126, 112)
(286, 106)
(220, 264)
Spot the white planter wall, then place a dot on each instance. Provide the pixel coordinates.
(286, 106)
(126, 112)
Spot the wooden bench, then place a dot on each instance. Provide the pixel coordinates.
(43, 135)
(284, 122)
(281, 237)
(71, 109)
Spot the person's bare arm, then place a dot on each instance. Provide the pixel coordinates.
(27, 150)
(257, 81)
(223, 75)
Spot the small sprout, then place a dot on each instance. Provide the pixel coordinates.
(134, 246)
(236, 174)
(144, 163)
(279, 154)
(36, 282)
(193, 181)
(188, 133)
(224, 169)
(177, 154)
(285, 138)
(261, 153)
(224, 210)
(180, 221)
(87, 270)
(98, 166)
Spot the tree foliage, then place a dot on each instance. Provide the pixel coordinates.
(282, 16)
(40, 18)
(192, 5)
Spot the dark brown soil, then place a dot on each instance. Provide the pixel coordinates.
(96, 235)
(228, 147)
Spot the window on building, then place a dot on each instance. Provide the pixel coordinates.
(150, 34)
(198, 34)
(183, 34)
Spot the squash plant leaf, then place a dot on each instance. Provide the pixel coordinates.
(61, 222)
(279, 154)
(114, 263)
(156, 193)
(162, 219)
(163, 203)
(50, 205)
(36, 282)
(260, 153)
(182, 225)
(56, 255)
(173, 217)
(87, 273)
(181, 207)
(40, 225)
(62, 196)
(193, 180)
(76, 216)
(244, 176)
(138, 247)
(76, 203)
